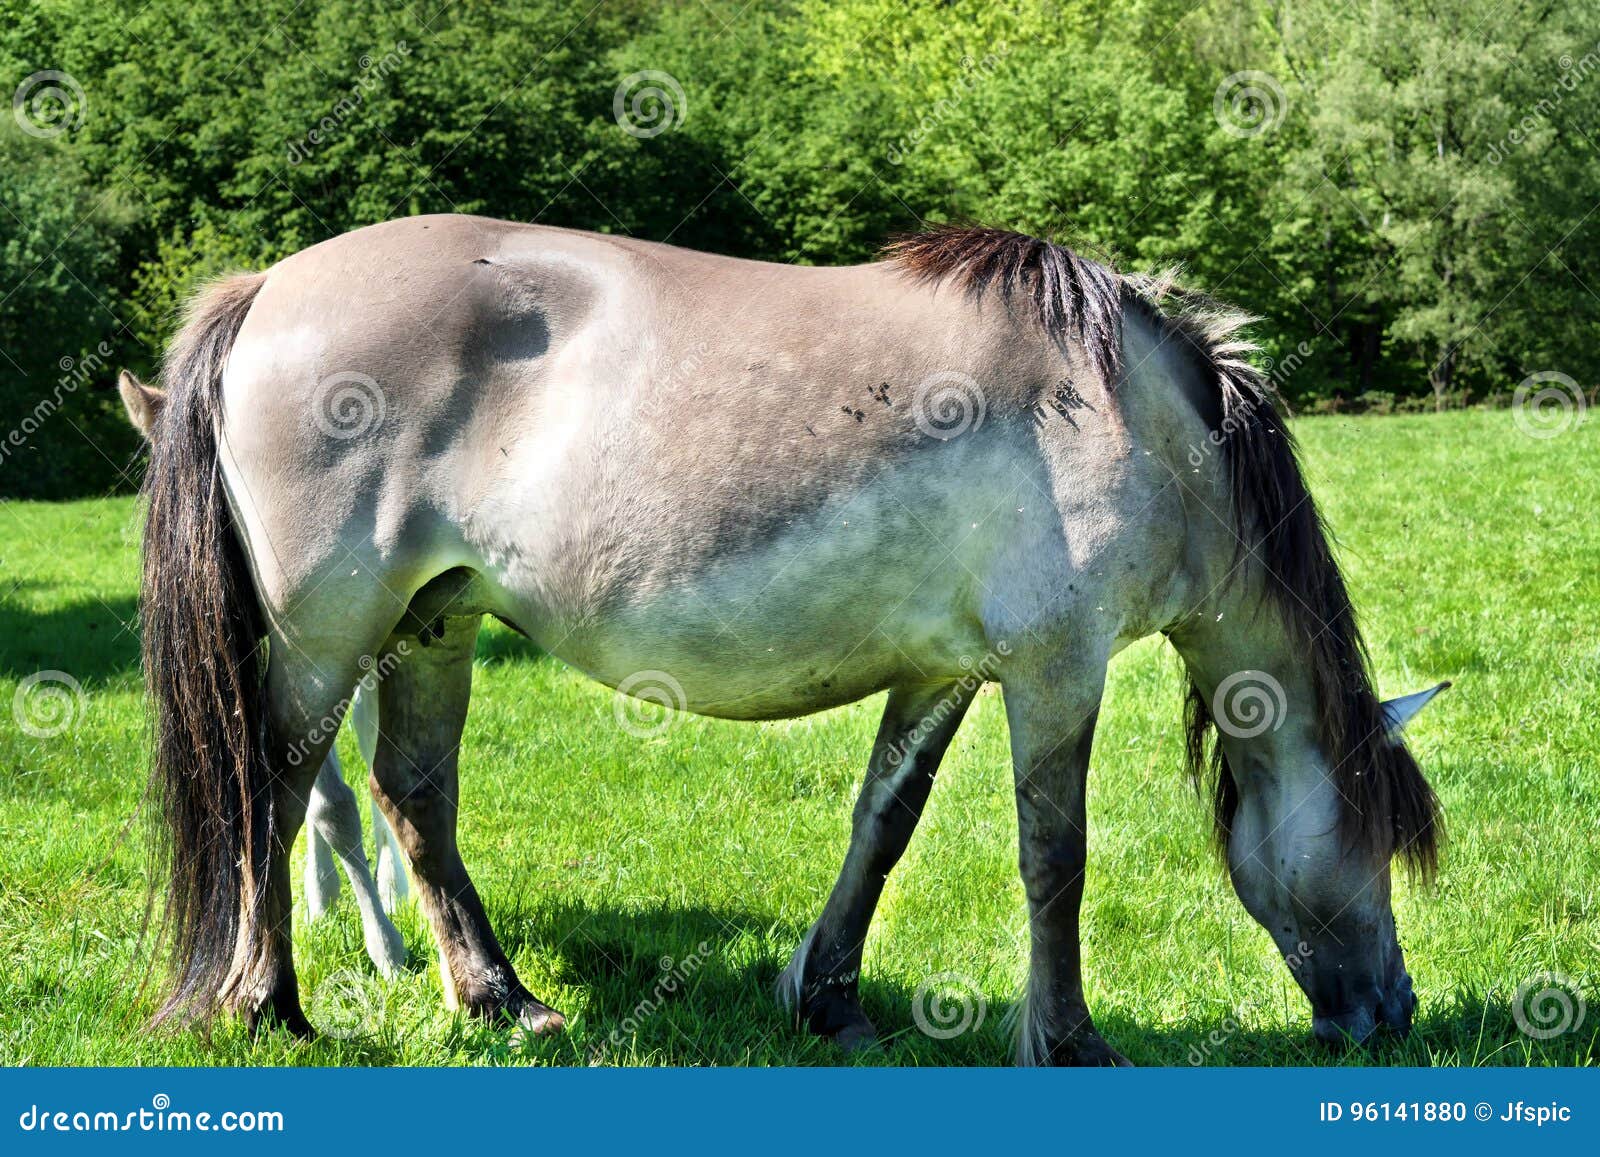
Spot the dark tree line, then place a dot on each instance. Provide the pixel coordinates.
(1404, 191)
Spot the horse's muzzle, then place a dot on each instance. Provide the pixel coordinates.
(1392, 1010)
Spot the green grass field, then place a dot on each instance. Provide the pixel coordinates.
(1473, 552)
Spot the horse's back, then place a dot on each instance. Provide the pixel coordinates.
(790, 485)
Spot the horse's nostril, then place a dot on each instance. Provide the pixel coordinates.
(1347, 1028)
(1395, 1010)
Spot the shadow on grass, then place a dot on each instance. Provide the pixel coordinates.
(695, 986)
(92, 641)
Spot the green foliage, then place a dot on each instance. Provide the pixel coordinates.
(58, 253)
(1461, 241)
(1402, 189)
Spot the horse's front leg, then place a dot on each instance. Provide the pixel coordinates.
(1052, 728)
(820, 986)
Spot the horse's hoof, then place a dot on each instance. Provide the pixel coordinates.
(386, 948)
(1096, 1054)
(835, 1014)
(1084, 1052)
(266, 1017)
(857, 1038)
(534, 1019)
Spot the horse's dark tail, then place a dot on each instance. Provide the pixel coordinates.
(203, 671)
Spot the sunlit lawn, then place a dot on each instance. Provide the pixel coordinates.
(610, 865)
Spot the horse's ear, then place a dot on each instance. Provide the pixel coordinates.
(1398, 712)
(142, 402)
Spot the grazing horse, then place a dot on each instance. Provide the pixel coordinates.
(333, 818)
(756, 491)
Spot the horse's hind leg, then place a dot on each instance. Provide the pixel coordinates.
(820, 984)
(392, 887)
(422, 710)
(334, 823)
(304, 704)
(1051, 716)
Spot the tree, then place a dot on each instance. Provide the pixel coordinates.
(58, 321)
(1437, 223)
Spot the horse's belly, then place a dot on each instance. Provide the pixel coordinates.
(758, 594)
(785, 631)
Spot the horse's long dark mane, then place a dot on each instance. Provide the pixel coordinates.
(1388, 806)
(1069, 296)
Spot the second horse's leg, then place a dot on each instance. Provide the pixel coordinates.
(333, 820)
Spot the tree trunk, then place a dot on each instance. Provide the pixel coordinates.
(1442, 374)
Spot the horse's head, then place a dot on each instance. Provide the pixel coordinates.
(1350, 963)
(1310, 826)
